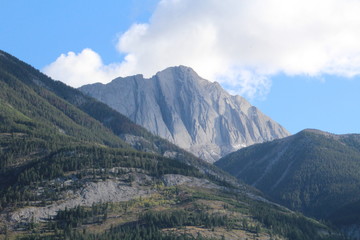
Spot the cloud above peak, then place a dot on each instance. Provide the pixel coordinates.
(238, 43)
(83, 68)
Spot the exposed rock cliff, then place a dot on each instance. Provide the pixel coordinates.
(189, 111)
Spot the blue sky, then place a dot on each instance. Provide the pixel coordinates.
(298, 61)
(39, 31)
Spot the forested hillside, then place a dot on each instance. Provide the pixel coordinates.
(314, 172)
(67, 175)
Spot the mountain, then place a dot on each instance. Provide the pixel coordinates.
(312, 171)
(189, 111)
(65, 174)
(105, 118)
(34, 121)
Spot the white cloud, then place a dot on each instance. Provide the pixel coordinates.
(245, 83)
(85, 68)
(236, 42)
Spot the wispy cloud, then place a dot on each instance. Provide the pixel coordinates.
(238, 43)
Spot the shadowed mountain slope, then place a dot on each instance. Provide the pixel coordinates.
(313, 171)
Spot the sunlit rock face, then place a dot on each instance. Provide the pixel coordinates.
(197, 115)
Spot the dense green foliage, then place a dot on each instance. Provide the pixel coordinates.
(35, 122)
(150, 224)
(313, 172)
(72, 218)
(180, 218)
(39, 112)
(283, 223)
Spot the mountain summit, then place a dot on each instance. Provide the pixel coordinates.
(189, 111)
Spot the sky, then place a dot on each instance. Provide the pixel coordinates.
(298, 61)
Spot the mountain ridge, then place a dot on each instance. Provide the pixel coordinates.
(113, 122)
(189, 111)
(313, 171)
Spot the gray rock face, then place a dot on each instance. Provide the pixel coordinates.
(91, 193)
(189, 111)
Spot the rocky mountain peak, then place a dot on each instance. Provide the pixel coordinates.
(194, 113)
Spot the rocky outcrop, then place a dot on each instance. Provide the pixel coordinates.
(189, 111)
(91, 193)
(111, 190)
